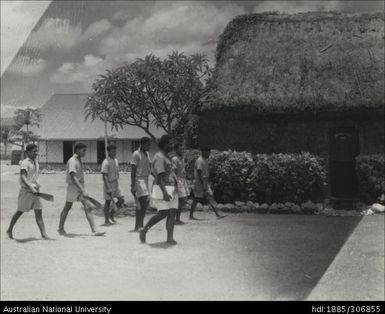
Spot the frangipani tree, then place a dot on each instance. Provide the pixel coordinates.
(151, 91)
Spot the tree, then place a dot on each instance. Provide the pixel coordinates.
(6, 136)
(151, 91)
(26, 117)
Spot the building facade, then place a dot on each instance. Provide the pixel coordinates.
(63, 125)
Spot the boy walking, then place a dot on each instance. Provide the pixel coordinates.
(29, 187)
(76, 191)
(164, 194)
(110, 172)
(202, 190)
(182, 188)
(140, 171)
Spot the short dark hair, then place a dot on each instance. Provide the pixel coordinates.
(205, 149)
(163, 141)
(30, 147)
(111, 147)
(144, 140)
(79, 146)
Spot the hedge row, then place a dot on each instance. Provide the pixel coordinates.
(241, 176)
(370, 175)
(88, 168)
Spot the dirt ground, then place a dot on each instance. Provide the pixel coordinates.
(244, 256)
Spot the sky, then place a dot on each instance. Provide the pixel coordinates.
(52, 47)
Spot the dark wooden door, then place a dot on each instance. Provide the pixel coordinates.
(67, 150)
(344, 147)
(100, 151)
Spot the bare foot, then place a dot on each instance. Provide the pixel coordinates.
(98, 233)
(179, 222)
(221, 216)
(45, 237)
(134, 230)
(172, 242)
(10, 235)
(107, 223)
(62, 232)
(193, 218)
(142, 235)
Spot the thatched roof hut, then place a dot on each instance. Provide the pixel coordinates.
(309, 82)
(318, 61)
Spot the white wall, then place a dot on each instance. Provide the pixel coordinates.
(124, 150)
(120, 153)
(53, 151)
(91, 154)
(42, 148)
(127, 147)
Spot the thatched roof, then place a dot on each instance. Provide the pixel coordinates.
(310, 61)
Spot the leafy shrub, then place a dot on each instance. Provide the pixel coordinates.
(263, 178)
(230, 172)
(370, 175)
(190, 156)
(88, 167)
(288, 178)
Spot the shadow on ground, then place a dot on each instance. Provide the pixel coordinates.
(300, 252)
(75, 235)
(26, 240)
(160, 245)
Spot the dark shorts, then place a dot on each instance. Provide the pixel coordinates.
(202, 200)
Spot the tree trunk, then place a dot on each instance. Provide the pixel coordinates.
(22, 150)
(105, 138)
(26, 138)
(26, 142)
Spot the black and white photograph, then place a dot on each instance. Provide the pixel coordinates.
(192, 151)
